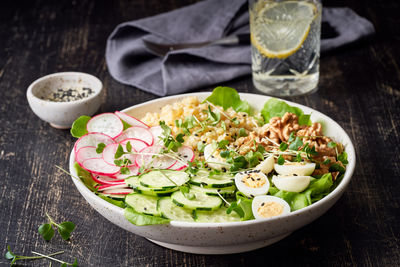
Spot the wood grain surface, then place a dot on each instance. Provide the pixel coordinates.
(359, 88)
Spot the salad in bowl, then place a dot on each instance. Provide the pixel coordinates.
(209, 160)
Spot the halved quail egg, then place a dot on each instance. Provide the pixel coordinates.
(292, 183)
(298, 168)
(252, 183)
(265, 207)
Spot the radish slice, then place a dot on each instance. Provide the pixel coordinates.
(106, 123)
(149, 160)
(136, 144)
(116, 186)
(101, 179)
(133, 171)
(157, 132)
(137, 133)
(109, 155)
(92, 139)
(86, 152)
(99, 166)
(118, 191)
(185, 153)
(131, 120)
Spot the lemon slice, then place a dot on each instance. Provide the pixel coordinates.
(278, 30)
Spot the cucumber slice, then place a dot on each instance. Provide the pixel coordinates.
(164, 179)
(143, 204)
(171, 211)
(217, 181)
(225, 191)
(216, 216)
(200, 202)
(134, 183)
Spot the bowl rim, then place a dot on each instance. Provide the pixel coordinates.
(330, 197)
(84, 75)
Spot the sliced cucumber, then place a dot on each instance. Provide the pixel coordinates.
(225, 191)
(216, 181)
(216, 216)
(143, 204)
(171, 211)
(134, 183)
(163, 179)
(200, 202)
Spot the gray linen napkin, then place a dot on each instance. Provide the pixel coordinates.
(179, 71)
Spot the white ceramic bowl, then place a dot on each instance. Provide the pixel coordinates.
(61, 115)
(231, 237)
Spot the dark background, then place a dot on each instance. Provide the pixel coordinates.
(359, 88)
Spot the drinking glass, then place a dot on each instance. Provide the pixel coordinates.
(285, 45)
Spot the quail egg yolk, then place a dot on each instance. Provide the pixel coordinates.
(270, 209)
(253, 180)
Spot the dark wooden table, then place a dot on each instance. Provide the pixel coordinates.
(359, 88)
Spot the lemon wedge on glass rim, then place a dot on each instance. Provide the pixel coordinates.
(279, 29)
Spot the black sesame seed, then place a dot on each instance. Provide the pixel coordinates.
(294, 174)
(145, 208)
(251, 195)
(262, 204)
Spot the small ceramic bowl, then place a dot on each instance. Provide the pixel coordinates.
(42, 96)
(229, 237)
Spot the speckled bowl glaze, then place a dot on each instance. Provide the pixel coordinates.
(61, 115)
(232, 237)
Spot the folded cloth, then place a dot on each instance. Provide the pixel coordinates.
(129, 62)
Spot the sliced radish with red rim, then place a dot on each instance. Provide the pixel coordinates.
(109, 155)
(106, 180)
(86, 152)
(138, 133)
(115, 186)
(118, 191)
(186, 154)
(92, 139)
(99, 166)
(157, 132)
(133, 171)
(107, 123)
(149, 158)
(136, 144)
(130, 120)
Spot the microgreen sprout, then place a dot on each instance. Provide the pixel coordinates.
(100, 147)
(14, 257)
(63, 263)
(64, 229)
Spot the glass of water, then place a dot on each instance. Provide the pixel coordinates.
(285, 44)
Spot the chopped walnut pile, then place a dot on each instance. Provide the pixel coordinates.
(314, 137)
(324, 168)
(278, 130)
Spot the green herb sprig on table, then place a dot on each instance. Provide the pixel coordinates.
(14, 257)
(65, 229)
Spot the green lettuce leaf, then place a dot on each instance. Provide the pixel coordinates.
(116, 202)
(277, 108)
(78, 128)
(317, 189)
(142, 219)
(85, 176)
(227, 97)
(245, 204)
